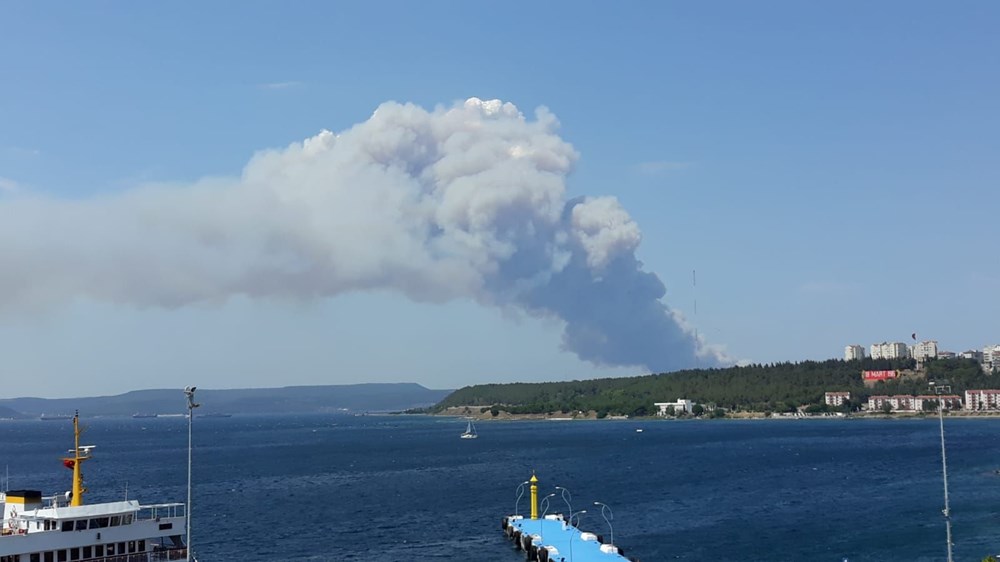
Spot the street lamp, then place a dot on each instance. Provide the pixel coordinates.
(608, 517)
(520, 492)
(191, 405)
(567, 497)
(573, 532)
(541, 523)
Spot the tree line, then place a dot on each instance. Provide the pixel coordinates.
(774, 387)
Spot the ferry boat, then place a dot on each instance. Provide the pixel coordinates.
(61, 528)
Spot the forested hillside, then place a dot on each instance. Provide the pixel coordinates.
(775, 387)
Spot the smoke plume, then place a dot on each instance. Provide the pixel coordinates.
(459, 202)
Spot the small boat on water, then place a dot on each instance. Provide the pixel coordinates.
(470, 431)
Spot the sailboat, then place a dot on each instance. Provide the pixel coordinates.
(470, 431)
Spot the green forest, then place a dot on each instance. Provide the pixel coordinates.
(777, 387)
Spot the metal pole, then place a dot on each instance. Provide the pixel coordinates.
(520, 492)
(944, 471)
(573, 530)
(541, 523)
(608, 519)
(189, 392)
(566, 496)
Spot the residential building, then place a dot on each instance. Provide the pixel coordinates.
(836, 398)
(925, 350)
(681, 406)
(890, 350)
(980, 400)
(946, 355)
(906, 403)
(854, 352)
(991, 359)
(974, 354)
(950, 401)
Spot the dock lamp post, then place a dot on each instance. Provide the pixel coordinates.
(567, 497)
(191, 405)
(520, 492)
(573, 534)
(541, 522)
(608, 517)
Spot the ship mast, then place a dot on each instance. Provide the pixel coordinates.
(80, 454)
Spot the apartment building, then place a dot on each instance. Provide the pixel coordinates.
(991, 359)
(907, 403)
(982, 400)
(890, 350)
(854, 352)
(836, 398)
(925, 350)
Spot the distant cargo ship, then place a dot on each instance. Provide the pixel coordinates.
(137, 415)
(215, 415)
(48, 417)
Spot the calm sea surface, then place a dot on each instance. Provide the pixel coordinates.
(390, 488)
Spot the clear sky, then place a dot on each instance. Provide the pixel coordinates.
(171, 212)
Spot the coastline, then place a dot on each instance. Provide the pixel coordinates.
(485, 416)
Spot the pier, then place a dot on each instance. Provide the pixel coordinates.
(553, 538)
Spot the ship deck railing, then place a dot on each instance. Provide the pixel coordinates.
(160, 511)
(167, 555)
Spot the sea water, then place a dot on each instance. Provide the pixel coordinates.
(407, 488)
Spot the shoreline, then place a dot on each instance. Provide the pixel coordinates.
(474, 413)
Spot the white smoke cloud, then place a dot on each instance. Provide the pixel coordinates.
(467, 201)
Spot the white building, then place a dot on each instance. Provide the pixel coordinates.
(907, 403)
(836, 398)
(974, 354)
(925, 350)
(682, 405)
(978, 400)
(887, 350)
(854, 352)
(991, 359)
(950, 401)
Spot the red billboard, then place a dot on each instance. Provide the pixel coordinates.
(879, 375)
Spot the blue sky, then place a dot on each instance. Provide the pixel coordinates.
(829, 170)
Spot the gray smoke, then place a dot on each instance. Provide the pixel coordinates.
(458, 202)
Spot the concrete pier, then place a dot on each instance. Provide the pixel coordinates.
(552, 539)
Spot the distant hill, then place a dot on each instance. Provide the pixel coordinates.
(7, 413)
(289, 399)
(779, 387)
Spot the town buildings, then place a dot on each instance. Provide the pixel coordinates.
(908, 403)
(989, 357)
(854, 352)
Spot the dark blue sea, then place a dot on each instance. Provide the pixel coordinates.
(401, 488)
